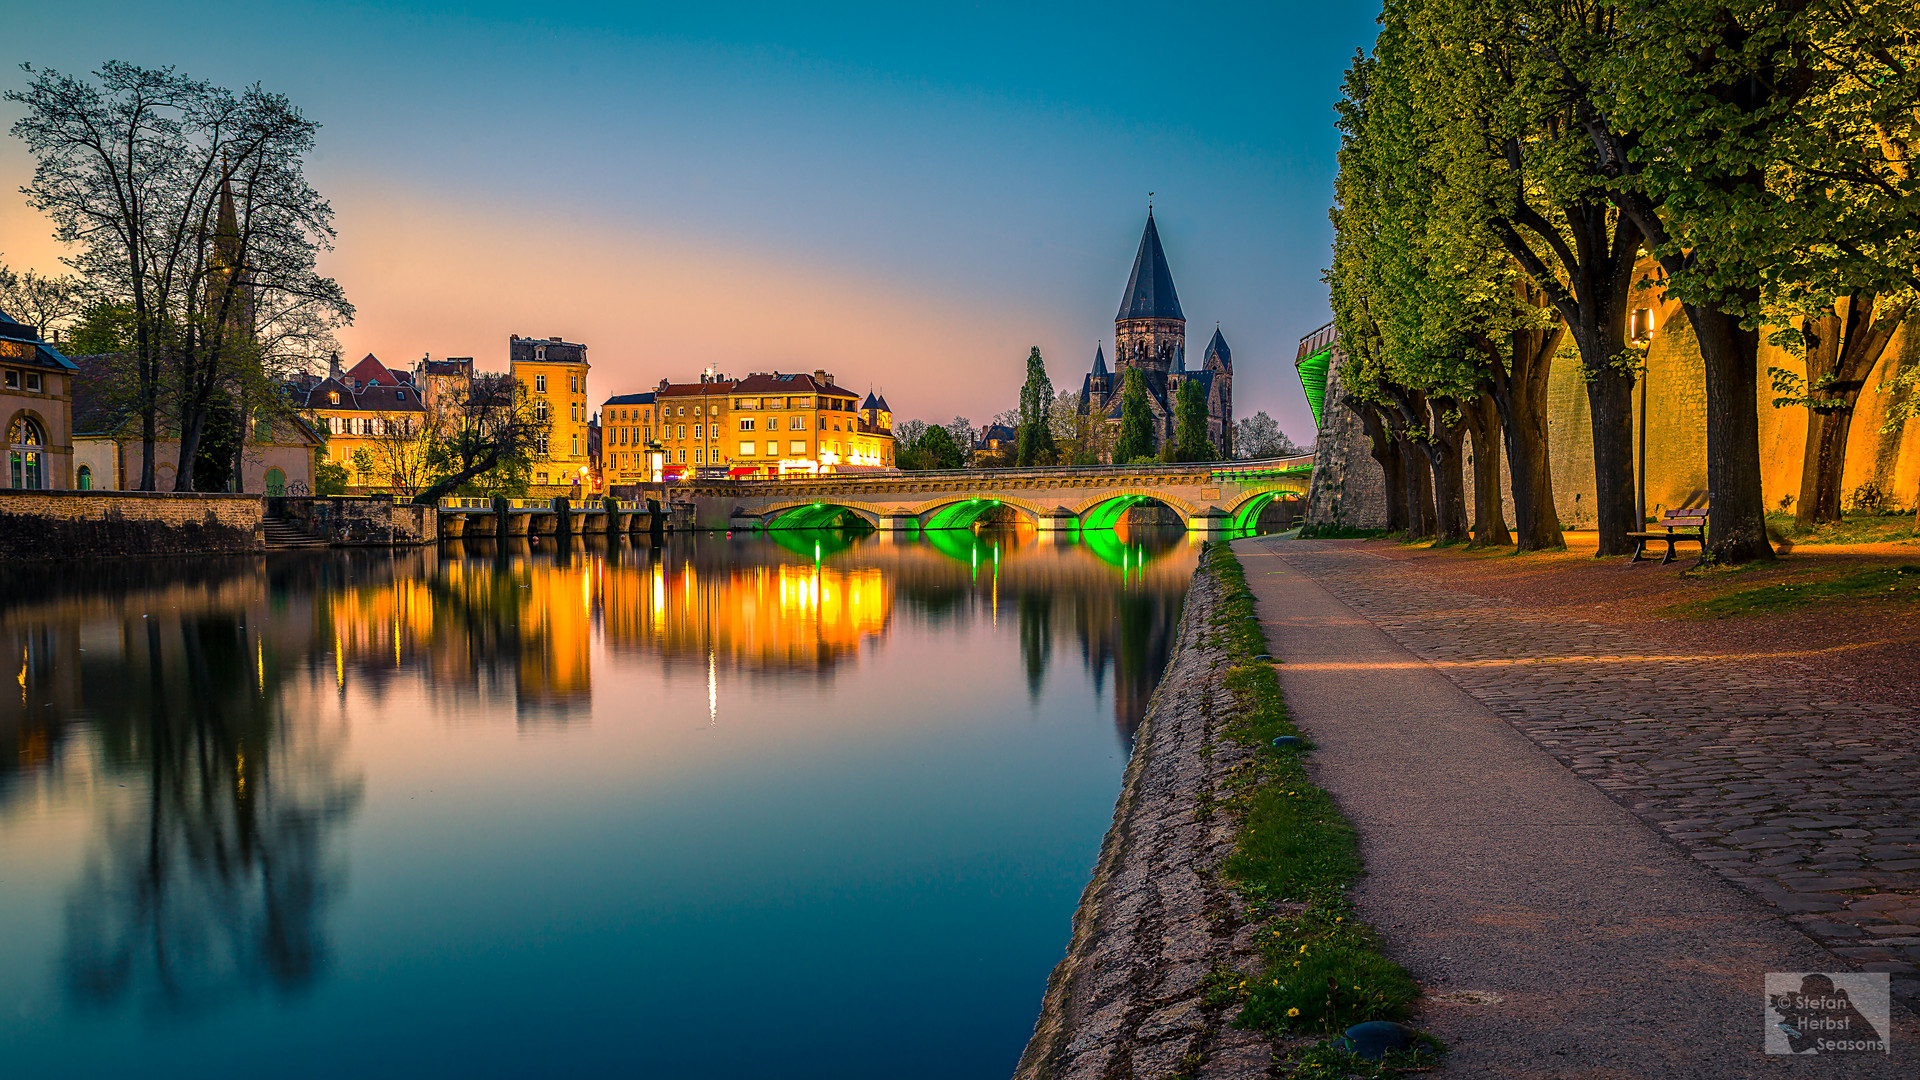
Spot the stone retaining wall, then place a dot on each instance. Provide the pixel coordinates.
(105, 524)
(375, 520)
(1127, 1002)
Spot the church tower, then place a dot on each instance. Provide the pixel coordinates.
(227, 283)
(1150, 333)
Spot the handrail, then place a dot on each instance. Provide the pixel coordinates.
(1289, 463)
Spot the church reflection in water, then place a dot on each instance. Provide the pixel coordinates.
(187, 705)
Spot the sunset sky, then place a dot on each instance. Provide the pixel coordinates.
(907, 195)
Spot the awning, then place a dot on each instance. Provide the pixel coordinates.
(743, 470)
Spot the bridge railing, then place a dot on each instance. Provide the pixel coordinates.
(1248, 469)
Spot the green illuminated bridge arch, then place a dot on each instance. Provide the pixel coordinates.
(1219, 496)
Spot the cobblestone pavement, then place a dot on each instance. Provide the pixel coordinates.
(1127, 1001)
(1810, 804)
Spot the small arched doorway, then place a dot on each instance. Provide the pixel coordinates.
(26, 453)
(84, 478)
(276, 481)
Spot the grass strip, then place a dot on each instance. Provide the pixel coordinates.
(1886, 583)
(1295, 854)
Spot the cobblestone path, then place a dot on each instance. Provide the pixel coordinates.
(1810, 804)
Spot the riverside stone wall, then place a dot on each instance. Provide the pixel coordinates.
(37, 525)
(1349, 488)
(1127, 1001)
(371, 520)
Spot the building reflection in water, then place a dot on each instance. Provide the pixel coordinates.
(197, 709)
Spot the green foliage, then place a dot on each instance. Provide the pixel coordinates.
(1190, 425)
(329, 478)
(1136, 421)
(1294, 856)
(220, 439)
(102, 328)
(1035, 432)
(934, 450)
(1854, 528)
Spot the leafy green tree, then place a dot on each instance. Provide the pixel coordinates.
(1035, 436)
(1190, 425)
(329, 478)
(1136, 421)
(102, 328)
(938, 450)
(1516, 171)
(1689, 107)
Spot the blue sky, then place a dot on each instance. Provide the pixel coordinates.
(908, 195)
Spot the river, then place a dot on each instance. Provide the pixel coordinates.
(807, 805)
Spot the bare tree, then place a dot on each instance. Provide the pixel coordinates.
(404, 450)
(190, 207)
(44, 303)
(497, 425)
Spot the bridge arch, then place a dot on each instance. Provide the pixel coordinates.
(1103, 511)
(962, 513)
(1245, 514)
(815, 515)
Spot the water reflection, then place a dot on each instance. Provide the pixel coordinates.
(199, 719)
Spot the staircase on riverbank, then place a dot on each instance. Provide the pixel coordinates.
(284, 535)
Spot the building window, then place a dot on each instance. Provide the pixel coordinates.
(747, 447)
(540, 411)
(262, 431)
(683, 431)
(540, 381)
(540, 478)
(33, 382)
(796, 423)
(683, 455)
(696, 457)
(798, 447)
(540, 353)
(746, 423)
(85, 478)
(773, 448)
(333, 397)
(26, 453)
(400, 395)
(12, 379)
(576, 445)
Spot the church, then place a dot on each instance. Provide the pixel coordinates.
(1150, 335)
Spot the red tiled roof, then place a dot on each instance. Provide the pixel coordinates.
(371, 370)
(798, 382)
(695, 389)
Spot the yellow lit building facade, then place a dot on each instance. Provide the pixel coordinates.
(555, 375)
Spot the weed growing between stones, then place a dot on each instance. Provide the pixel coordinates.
(1295, 854)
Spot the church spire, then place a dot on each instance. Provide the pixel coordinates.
(226, 232)
(1150, 292)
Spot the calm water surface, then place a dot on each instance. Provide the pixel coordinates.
(819, 807)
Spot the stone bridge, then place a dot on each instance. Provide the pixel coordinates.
(1213, 497)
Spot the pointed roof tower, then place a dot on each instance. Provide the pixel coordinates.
(1150, 292)
(1217, 347)
(226, 231)
(1099, 360)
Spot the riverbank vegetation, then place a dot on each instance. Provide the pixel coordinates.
(1294, 859)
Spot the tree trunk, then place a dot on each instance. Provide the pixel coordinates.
(1521, 394)
(1737, 521)
(1386, 451)
(1419, 486)
(1449, 479)
(1841, 355)
(1610, 406)
(1489, 515)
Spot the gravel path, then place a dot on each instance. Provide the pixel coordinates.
(1497, 872)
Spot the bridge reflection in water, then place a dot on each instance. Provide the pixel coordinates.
(191, 745)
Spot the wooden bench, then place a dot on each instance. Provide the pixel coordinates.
(1686, 523)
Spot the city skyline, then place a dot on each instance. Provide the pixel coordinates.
(922, 200)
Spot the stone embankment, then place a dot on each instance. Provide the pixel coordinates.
(1128, 1000)
(37, 525)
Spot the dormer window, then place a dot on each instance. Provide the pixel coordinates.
(333, 397)
(539, 352)
(400, 395)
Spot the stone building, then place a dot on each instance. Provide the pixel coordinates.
(626, 431)
(555, 374)
(1150, 336)
(36, 409)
